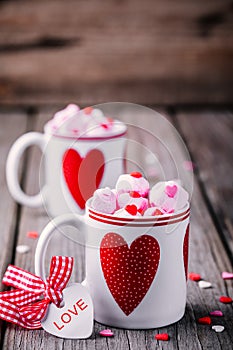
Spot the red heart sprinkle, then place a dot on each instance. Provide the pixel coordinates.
(162, 336)
(104, 125)
(204, 320)
(157, 212)
(194, 276)
(225, 300)
(134, 194)
(33, 234)
(131, 209)
(136, 174)
(88, 110)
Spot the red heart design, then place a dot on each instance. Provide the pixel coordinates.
(83, 175)
(129, 272)
(186, 251)
(171, 191)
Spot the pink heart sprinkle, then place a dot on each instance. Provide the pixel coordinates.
(171, 190)
(227, 275)
(216, 313)
(106, 333)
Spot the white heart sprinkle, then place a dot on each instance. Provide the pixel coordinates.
(204, 284)
(218, 328)
(22, 249)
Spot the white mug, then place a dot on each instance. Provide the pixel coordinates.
(136, 268)
(73, 169)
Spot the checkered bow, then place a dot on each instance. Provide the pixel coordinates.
(24, 305)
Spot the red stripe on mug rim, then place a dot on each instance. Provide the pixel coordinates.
(138, 219)
(82, 138)
(139, 223)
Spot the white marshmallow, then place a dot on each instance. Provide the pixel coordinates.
(104, 200)
(128, 182)
(168, 195)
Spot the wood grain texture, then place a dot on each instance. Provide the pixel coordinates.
(9, 131)
(162, 52)
(207, 256)
(209, 137)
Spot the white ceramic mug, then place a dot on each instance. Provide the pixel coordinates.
(73, 169)
(136, 268)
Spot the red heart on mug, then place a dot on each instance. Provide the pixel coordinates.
(129, 271)
(83, 175)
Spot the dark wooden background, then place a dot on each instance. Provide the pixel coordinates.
(149, 52)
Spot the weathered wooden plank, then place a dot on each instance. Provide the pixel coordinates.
(207, 257)
(12, 124)
(48, 19)
(53, 51)
(209, 136)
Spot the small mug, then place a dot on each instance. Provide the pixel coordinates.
(73, 168)
(136, 268)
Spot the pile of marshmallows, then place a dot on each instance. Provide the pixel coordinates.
(88, 122)
(133, 197)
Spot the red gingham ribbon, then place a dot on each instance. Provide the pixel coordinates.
(21, 305)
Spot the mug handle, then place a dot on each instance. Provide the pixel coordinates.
(12, 166)
(65, 219)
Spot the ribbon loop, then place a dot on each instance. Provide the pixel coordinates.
(23, 306)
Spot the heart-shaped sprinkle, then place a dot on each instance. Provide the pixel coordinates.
(162, 336)
(204, 284)
(225, 300)
(105, 125)
(218, 328)
(194, 276)
(171, 191)
(227, 275)
(33, 234)
(204, 320)
(157, 212)
(131, 209)
(106, 333)
(216, 313)
(22, 249)
(134, 194)
(136, 174)
(88, 110)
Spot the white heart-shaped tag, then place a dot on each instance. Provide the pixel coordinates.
(74, 320)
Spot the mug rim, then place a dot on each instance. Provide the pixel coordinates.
(157, 220)
(88, 138)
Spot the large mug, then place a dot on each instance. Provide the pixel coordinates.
(136, 268)
(73, 168)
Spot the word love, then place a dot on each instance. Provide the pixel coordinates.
(75, 319)
(66, 317)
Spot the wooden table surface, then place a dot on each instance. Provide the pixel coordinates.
(208, 135)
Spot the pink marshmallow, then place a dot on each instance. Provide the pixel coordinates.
(104, 201)
(168, 196)
(129, 198)
(132, 182)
